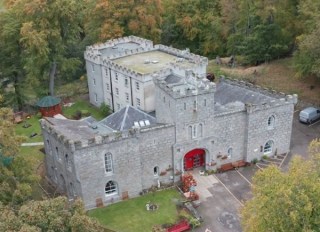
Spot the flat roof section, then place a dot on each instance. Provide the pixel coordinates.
(151, 61)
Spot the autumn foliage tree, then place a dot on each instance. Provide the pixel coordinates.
(49, 215)
(107, 19)
(286, 201)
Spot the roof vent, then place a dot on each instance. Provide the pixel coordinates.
(94, 126)
(155, 61)
(147, 122)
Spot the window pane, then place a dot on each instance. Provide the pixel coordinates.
(108, 162)
(110, 188)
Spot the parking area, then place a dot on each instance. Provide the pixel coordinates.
(222, 195)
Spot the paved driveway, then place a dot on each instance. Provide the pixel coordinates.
(223, 194)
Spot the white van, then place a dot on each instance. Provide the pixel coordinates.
(309, 115)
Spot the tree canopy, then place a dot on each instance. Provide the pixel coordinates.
(56, 214)
(286, 201)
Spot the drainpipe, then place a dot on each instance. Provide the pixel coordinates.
(110, 79)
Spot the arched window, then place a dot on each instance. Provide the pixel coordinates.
(156, 171)
(271, 121)
(111, 188)
(108, 162)
(268, 147)
(230, 153)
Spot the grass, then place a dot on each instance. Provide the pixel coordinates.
(82, 105)
(132, 216)
(34, 128)
(278, 75)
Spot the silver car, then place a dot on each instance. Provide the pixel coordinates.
(309, 115)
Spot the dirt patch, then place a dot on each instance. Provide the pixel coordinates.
(278, 75)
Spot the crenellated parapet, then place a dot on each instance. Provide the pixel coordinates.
(190, 85)
(97, 139)
(186, 54)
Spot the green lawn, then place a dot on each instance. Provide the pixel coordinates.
(132, 216)
(83, 105)
(34, 128)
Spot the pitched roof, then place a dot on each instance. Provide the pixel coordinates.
(48, 101)
(127, 118)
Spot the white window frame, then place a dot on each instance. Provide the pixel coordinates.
(230, 151)
(108, 163)
(268, 147)
(110, 188)
(194, 131)
(271, 122)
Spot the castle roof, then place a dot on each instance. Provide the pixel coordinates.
(127, 118)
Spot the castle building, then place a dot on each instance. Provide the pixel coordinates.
(120, 71)
(197, 123)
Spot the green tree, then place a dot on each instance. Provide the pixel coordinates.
(307, 56)
(56, 214)
(44, 37)
(286, 201)
(16, 174)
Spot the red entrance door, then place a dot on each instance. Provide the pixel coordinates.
(194, 159)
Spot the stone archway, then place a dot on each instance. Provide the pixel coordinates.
(194, 159)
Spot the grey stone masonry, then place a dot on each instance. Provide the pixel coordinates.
(197, 123)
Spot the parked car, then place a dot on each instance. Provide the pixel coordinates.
(309, 115)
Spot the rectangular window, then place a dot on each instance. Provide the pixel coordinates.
(116, 76)
(184, 106)
(118, 106)
(127, 97)
(137, 86)
(138, 101)
(205, 102)
(108, 86)
(108, 162)
(126, 82)
(107, 73)
(117, 91)
(194, 131)
(96, 97)
(94, 81)
(92, 67)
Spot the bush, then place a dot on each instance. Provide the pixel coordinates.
(254, 161)
(105, 109)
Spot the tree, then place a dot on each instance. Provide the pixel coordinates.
(307, 56)
(44, 39)
(286, 201)
(194, 24)
(56, 214)
(107, 19)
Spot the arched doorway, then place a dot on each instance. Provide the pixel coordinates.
(194, 159)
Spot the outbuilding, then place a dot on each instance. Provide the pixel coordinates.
(49, 106)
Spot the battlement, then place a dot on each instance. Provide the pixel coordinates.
(96, 139)
(183, 54)
(190, 85)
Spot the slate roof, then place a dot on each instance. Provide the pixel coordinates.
(48, 101)
(228, 92)
(128, 117)
(171, 79)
